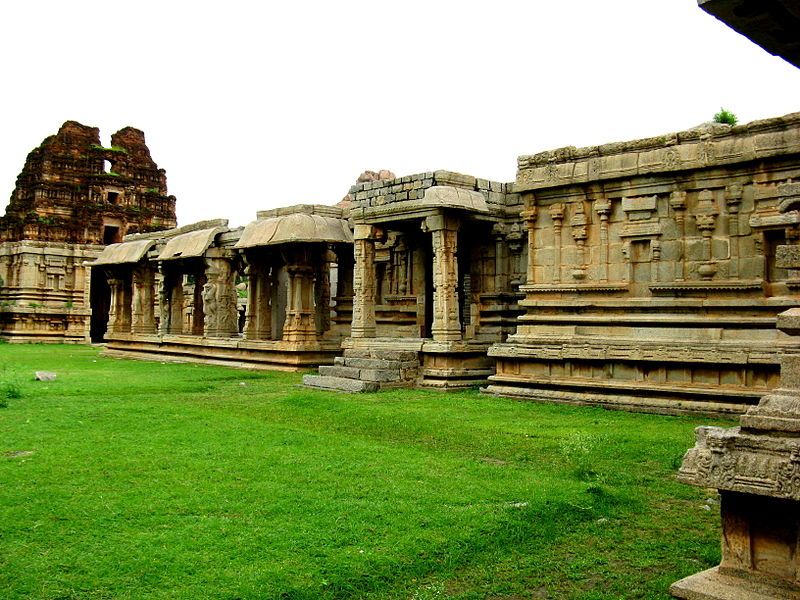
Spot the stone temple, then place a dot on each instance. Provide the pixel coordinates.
(72, 197)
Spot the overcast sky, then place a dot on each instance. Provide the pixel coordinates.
(250, 105)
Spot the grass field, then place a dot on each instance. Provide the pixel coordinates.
(126, 479)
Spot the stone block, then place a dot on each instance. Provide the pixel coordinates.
(788, 257)
(380, 375)
(338, 371)
(357, 353)
(339, 384)
(372, 363)
(404, 355)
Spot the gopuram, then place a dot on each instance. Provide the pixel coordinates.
(276, 293)
(72, 197)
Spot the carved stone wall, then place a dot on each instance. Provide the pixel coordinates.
(652, 281)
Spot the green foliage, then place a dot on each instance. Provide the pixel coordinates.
(12, 390)
(127, 479)
(725, 117)
(117, 149)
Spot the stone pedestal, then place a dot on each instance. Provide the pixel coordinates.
(756, 468)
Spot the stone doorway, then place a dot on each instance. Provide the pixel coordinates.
(100, 302)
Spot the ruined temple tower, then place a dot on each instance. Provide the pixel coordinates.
(72, 198)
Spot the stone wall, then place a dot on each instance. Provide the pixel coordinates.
(652, 280)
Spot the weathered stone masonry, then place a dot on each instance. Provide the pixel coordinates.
(652, 281)
(175, 292)
(72, 197)
(438, 260)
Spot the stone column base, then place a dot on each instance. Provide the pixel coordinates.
(715, 585)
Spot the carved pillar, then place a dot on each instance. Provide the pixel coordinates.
(514, 242)
(363, 325)
(529, 215)
(176, 300)
(322, 289)
(258, 318)
(603, 209)
(677, 202)
(706, 219)
(500, 268)
(219, 295)
(143, 313)
(733, 198)
(444, 232)
(579, 234)
(655, 259)
(114, 284)
(344, 283)
(557, 214)
(196, 324)
(300, 325)
(119, 314)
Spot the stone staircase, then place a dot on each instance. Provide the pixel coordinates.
(367, 370)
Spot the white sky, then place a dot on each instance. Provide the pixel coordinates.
(254, 104)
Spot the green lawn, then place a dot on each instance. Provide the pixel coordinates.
(127, 479)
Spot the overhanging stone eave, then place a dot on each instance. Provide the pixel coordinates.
(294, 228)
(123, 253)
(189, 245)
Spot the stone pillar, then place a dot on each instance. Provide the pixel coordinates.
(220, 317)
(114, 284)
(706, 219)
(444, 231)
(557, 214)
(514, 242)
(756, 468)
(322, 289)
(677, 202)
(578, 224)
(529, 215)
(171, 297)
(143, 314)
(500, 268)
(119, 313)
(363, 325)
(300, 324)
(733, 198)
(603, 209)
(344, 284)
(258, 320)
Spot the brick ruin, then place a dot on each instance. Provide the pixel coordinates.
(72, 197)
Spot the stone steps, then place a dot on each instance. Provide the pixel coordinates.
(366, 370)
